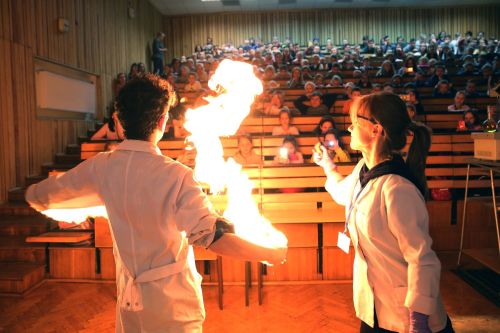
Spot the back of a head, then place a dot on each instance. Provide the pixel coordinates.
(141, 103)
(389, 110)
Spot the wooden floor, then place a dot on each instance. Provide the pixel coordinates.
(89, 307)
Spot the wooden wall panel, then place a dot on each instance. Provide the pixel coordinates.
(102, 39)
(7, 155)
(184, 32)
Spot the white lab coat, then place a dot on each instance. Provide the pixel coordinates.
(395, 268)
(156, 210)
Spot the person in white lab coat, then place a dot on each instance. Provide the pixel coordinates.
(156, 212)
(396, 274)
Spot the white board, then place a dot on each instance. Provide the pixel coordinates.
(57, 92)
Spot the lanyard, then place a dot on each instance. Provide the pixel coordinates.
(353, 201)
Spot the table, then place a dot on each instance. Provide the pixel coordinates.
(488, 257)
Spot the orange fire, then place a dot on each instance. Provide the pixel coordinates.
(237, 87)
(222, 116)
(75, 215)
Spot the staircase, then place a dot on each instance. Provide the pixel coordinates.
(23, 265)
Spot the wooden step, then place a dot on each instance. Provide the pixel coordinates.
(16, 208)
(36, 255)
(73, 149)
(47, 167)
(83, 139)
(69, 159)
(34, 179)
(24, 225)
(17, 278)
(16, 195)
(16, 249)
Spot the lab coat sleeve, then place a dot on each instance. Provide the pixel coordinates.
(193, 212)
(341, 190)
(76, 188)
(408, 221)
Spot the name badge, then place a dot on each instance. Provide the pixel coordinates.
(344, 242)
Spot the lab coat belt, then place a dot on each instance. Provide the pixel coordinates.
(132, 296)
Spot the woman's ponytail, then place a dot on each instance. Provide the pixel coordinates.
(417, 153)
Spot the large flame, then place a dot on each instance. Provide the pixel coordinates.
(237, 86)
(75, 215)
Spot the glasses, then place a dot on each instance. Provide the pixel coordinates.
(371, 120)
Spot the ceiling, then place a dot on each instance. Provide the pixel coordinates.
(188, 7)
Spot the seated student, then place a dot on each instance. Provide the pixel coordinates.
(419, 80)
(364, 81)
(356, 74)
(306, 73)
(443, 90)
(458, 103)
(332, 141)
(245, 154)
(283, 73)
(409, 67)
(112, 130)
(176, 122)
(397, 81)
(183, 74)
(285, 117)
(412, 111)
(335, 70)
(376, 87)
(413, 99)
(439, 75)
(316, 64)
(355, 94)
(193, 84)
(289, 152)
(133, 72)
(269, 73)
(387, 87)
(297, 80)
(311, 104)
(487, 75)
(318, 81)
(366, 65)
(467, 69)
(335, 82)
(470, 122)
(471, 90)
(274, 106)
(386, 70)
(118, 84)
(325, 123)
(200, 71)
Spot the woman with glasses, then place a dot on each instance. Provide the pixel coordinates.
(396, 273)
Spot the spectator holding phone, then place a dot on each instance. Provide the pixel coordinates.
(470, 122)
(332, 141)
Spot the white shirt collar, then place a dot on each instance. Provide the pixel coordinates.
(139, 145)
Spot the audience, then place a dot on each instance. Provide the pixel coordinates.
(176, 122)
(325, 123)
(354, 95)
(193, 84)
(427, 61)
(458, 103)
(332, 141)
(311, 104)
(289, 152)
(285, 117)
(111, 130)
(246, 154)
